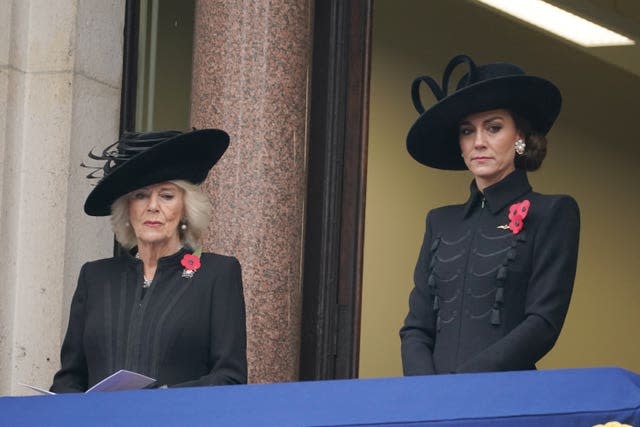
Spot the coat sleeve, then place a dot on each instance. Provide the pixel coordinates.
(73, 376)
(549, 291)
(228, 347)
(417, 336)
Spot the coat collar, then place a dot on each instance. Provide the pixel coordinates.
(169, 260)
(500, 194)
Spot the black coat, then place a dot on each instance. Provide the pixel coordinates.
(181, 331)
(485, 298)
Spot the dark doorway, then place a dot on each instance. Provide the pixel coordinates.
(336, 190)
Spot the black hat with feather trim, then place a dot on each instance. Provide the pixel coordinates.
(141, 159)
(433, 138)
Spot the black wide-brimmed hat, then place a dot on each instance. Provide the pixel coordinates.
(433, 138)
(141, 159)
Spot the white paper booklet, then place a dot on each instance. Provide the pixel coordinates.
(121, 380)
(38, 389)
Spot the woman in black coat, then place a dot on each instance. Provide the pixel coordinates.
(163, 309)
(494, 275)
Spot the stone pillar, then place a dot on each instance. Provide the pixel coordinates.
(250, 78)
(60, 74)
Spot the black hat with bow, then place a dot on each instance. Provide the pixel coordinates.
(433, 138)
(141, 159)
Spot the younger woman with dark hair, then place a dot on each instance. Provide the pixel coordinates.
(495, 274)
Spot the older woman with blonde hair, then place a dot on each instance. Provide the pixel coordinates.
(163, 308)
(197, 214)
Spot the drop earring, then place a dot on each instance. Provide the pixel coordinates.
(520, 146)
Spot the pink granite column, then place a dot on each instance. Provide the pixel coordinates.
(250, 75)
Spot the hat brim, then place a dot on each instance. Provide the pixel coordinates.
(433, 138)
(188, 156)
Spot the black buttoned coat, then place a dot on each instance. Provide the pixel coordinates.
(486, 298)
(184, 331)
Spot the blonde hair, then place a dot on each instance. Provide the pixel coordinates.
(197, 214)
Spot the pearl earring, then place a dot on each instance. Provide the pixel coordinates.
(183, 226)
(127, 224)
(520, 146)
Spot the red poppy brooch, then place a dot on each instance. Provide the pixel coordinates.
(191, 263)
(517, 214)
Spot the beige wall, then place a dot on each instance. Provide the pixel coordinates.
(165, 47)
(60, 76)
(173, 68)
(593, 155)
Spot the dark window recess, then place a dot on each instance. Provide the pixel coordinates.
(336, 190)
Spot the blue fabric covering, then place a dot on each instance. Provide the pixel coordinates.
(572, 397)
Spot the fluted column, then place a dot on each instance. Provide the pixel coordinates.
(250, 78)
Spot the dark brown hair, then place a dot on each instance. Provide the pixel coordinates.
(536, 145)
